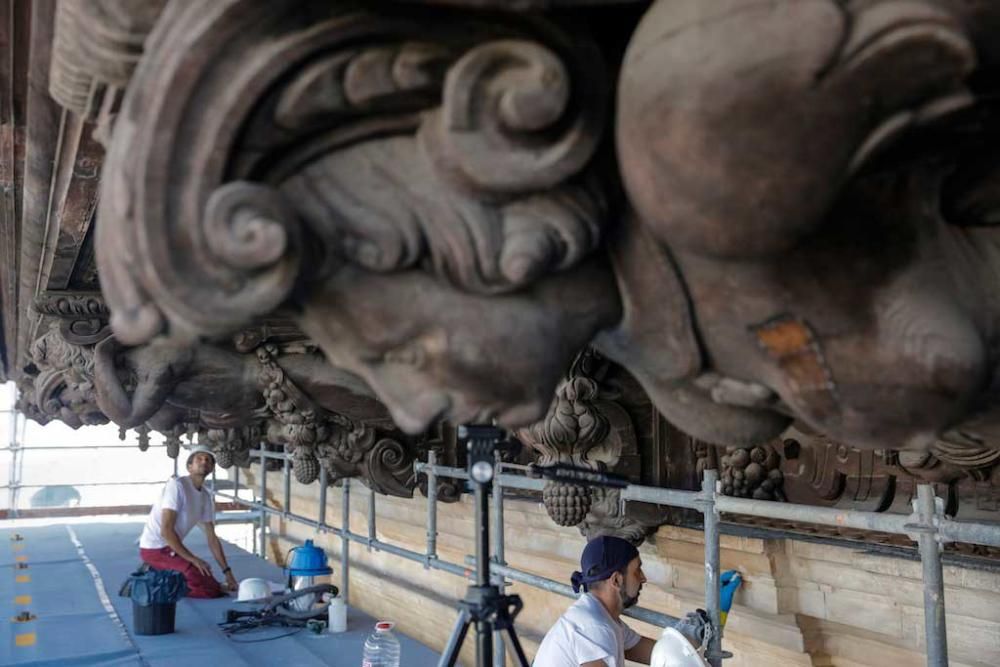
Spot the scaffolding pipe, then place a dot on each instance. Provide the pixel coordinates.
(42, 486)
(323, 485)
(552, 586)
(371, 518)
(45, 448)
(287, 483)
(930, 559)
(437, 564)
(263, 500)
(707, 504)
(970, 533)
(655, 496)
(345, 542)
(432, 517)
(886, 523)
(499, 648)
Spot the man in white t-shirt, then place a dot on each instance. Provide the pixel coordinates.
(591, 632)
(184, 503)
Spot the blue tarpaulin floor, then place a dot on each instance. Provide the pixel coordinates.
(68, 576)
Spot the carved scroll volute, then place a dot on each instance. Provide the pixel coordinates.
(181, 246)
(499, 128)
(194, 235)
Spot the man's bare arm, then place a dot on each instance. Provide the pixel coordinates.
(215, 545)
(641, 652)
(168, 519)
(594, 663)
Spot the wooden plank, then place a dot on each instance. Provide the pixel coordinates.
(15, 26)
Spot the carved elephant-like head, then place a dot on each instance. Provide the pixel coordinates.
(820, 175)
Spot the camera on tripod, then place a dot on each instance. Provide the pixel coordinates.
(482, 443)
(484, 605)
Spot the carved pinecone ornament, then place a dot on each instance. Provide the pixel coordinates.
(223, 458)
(305, 466)
(567, 504)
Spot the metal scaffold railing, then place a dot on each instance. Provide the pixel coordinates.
(926, 525)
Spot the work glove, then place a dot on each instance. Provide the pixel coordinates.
(696, 627)
(730, 580)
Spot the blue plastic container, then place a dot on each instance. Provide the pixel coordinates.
(307, 561)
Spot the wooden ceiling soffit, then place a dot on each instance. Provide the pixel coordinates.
(15, 21)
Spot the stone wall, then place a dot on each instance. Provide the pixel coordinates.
(801, 604)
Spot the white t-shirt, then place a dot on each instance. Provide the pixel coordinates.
(192, 506)
(584, 633)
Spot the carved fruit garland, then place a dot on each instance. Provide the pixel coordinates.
(571, 428)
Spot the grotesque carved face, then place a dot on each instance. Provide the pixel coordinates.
(64, 386)
(430, 350)
(446, 303)
(424, 195)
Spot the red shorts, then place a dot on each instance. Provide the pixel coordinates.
(199, 585)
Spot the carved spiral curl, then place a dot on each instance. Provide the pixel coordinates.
(249, 226)
(507, 122)
(390, 468)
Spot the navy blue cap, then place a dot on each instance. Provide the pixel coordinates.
(602, 557)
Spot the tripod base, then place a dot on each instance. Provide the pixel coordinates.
(489, 610)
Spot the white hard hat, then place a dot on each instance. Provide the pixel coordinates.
(195, 449)
(254, 589)
(673, 650)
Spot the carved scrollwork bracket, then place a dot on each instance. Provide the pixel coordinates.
(83, 316)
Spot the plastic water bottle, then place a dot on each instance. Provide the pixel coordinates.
(382, 647)
(337, 616)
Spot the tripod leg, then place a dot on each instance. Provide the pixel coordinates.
(450, 655)
(484, 643)
(518, 650)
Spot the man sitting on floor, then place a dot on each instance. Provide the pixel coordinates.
(183, 503)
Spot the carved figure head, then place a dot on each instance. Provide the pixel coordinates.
(422, 191)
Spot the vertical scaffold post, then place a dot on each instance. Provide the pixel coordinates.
(930, 559)
(263, 501)
(322, 496)
(432, 517)
(371, 517)
(712, 565)
(345, 542)
(499, 648)
(286, 480)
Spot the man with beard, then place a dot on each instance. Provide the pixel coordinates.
(591, 633)
(186, 502)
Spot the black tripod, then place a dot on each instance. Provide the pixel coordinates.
(484, 604)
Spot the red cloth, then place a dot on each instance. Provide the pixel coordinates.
(199, 585)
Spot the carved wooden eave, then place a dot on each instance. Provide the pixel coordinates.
(648, 236)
